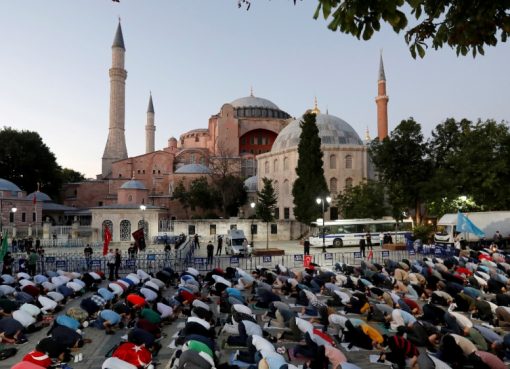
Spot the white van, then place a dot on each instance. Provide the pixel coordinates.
(236, 243)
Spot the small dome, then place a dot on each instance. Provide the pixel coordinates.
(133, 185)
(193, 169)
(253, 102)
(6, 185)
(251, 184)
(39, 196)
(332, 131)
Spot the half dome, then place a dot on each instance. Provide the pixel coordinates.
(193, 169)
(133, 185)
(6, 185)
(333, 131)
(251, 184)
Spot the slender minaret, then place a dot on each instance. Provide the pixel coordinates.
(150, 128)
(382, 103)
(115, 148)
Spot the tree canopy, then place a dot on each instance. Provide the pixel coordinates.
(310, 182)
(365, 200)
(26, 161)
(466, 26)
(464, 165)
(266, 204)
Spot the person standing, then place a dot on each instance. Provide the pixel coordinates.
(7, 265)
(362, 247)
(220, 245)
(110, 261)
(306, 245)
(87, 251)
(32, 262)
(369, 241)
(381, 239)
(118, 260)
(210, 252)
(196, 241)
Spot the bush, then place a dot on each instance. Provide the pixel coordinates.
(423, 232)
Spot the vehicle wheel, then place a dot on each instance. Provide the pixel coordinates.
(338, 242)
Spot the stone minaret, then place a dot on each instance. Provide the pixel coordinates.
(150, 128)
(382, 103)
(115, 148)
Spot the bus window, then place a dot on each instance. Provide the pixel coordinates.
(350, 228)
(405, 226)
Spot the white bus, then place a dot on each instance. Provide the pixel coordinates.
(348, 232)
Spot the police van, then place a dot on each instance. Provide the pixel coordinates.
(236, 243)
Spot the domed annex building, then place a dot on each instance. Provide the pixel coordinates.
(258, 138)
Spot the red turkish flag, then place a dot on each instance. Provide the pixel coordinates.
(138, 356)
(107, 239)
(307, 260)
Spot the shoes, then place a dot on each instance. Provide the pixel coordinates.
(21, 341)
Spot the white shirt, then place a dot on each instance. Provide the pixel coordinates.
(142, 275)
(55, 296)
(462, 320)
(149, 295)
(74, 286)
(46, 303)
(23, 317)
(6, 290)
(164, 310)
(31, 309)
(48, 286)
(133, 278)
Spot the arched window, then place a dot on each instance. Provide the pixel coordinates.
(276, 187)
(275, 165)
(266, 167)
(348, 162)
(125, 230)
(332, 162)
(348, 183)
(286, 187)
(109, 224)
(145, 228)
(333, 185)
(130, 198)
(285, 163)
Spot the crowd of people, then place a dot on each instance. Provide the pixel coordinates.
(422, 313)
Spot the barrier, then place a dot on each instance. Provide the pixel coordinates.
(152, 261)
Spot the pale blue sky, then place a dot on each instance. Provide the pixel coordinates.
(196, 55)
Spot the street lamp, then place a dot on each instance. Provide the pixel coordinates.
(323, 200)
(252, 205)
(13, 211)
(143, 208)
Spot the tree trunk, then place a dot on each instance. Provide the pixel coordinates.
(418, 212)
(267, 235)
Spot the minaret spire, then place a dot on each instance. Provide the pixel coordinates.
(150, 128)
(382, 103)
(315, 109)
(115, 148)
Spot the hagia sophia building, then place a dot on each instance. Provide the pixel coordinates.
(251, 130)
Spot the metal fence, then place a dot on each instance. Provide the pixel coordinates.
(154, 260)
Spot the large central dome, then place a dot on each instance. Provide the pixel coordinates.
(257, 107)
(332, 131)
(253, 102)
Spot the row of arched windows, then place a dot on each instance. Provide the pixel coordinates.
(125, 229)
(276, 166)
(333, 186)
(333, 162)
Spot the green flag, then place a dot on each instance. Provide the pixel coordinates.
(5, 246)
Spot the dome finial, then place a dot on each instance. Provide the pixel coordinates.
(315, 109)
(251, 91)
(367, 135)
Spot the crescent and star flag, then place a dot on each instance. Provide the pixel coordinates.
(139, 237)
(464, 224)
(107, 239)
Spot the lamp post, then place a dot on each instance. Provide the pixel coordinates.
(13, 211)
(252, 205)
(323, 200)
(143, 208)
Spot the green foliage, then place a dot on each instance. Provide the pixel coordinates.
(233, 194)
(182, 195)
(363, 201)
(266, 204)
(466, 26)
(403, 167)
(423, 232)
(25, 160)
(201, 195)
(71, 176)
(310, 182)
